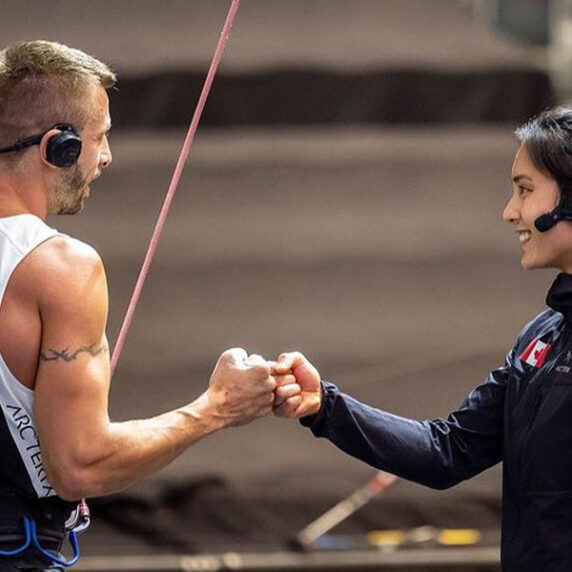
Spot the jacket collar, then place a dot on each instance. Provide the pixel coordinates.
(559, 296)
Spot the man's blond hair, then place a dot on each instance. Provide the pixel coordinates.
(43, 83)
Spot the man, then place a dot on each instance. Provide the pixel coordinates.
(54, 355)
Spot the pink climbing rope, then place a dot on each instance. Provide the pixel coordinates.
(174, 184)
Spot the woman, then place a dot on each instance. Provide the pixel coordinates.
(522, 413)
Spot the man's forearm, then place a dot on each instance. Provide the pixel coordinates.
(98, 457)
(123, 453)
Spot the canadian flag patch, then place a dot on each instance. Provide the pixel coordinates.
(535, 353)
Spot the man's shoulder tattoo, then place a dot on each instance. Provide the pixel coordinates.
(69, 354)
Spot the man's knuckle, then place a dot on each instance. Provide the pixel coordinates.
(233, 354)
(260, 370)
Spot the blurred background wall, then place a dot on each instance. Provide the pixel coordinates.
(343, 198)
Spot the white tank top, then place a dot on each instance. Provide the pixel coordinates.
(21, 466)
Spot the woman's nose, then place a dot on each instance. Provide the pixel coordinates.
(511, 212)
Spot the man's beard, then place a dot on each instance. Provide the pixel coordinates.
(68, 193)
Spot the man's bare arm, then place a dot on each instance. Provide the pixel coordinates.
(84, 453)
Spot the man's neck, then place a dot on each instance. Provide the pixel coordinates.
(21, 199)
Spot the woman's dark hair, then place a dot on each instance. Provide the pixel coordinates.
(548, 141)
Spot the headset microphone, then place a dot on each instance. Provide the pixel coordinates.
(546, 221)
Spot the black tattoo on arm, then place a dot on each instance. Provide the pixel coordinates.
(68, 355)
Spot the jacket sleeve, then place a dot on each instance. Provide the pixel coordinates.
(438, 453)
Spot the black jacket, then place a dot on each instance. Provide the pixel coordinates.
(521, 414)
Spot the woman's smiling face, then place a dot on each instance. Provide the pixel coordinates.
(534, 194)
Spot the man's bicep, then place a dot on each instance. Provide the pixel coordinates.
(72, 381)
(73, 312)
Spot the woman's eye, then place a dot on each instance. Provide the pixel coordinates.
(523, 190)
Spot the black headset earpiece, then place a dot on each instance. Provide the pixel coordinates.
(62, 150)
(548, 220)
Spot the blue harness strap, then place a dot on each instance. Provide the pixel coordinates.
(79, 521)
(27, 540)
(72, 535)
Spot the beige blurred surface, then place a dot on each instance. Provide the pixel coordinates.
(145, 35)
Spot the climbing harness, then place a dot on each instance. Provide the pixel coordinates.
(78, 522)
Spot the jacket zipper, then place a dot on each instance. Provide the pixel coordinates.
(531, 401)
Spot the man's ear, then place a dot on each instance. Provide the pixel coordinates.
(44, 146)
